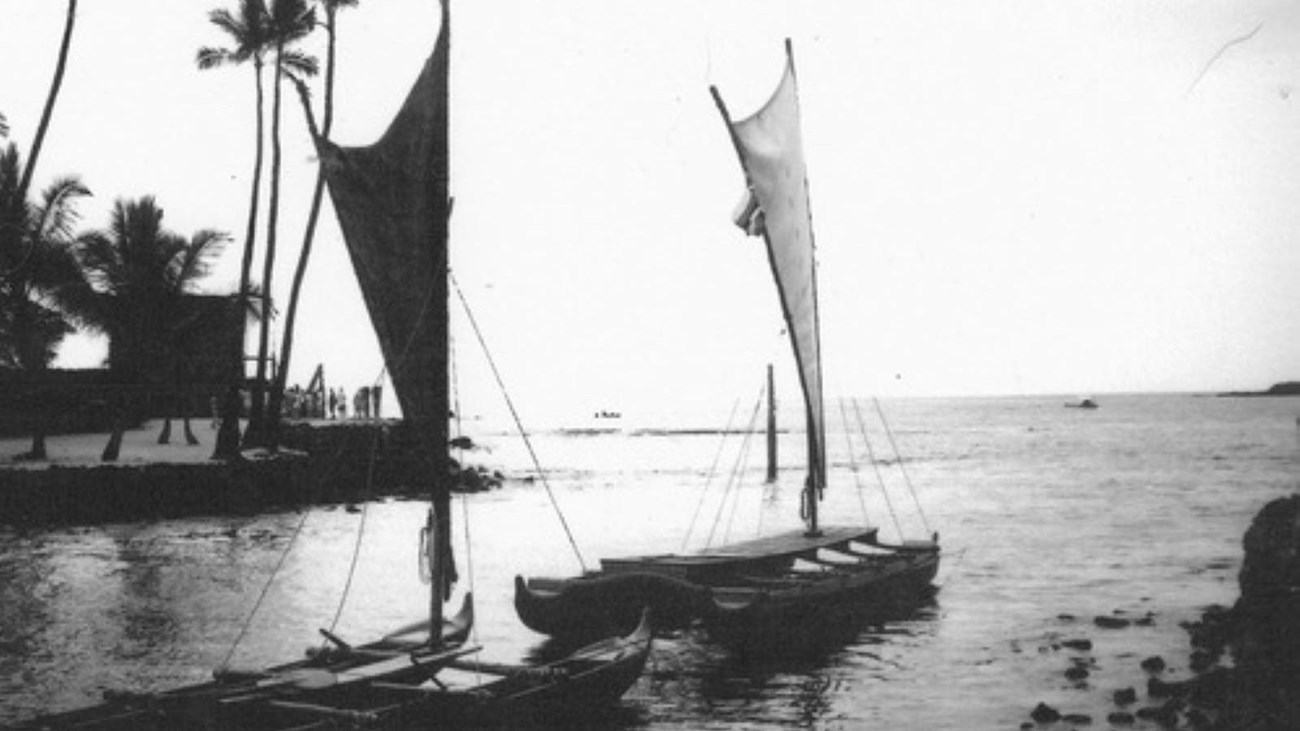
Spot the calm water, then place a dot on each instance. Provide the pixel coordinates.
(1138, 506)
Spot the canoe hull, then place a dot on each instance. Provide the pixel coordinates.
(760, 601)
(403, 691)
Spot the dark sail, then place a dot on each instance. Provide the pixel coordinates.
(392, 203)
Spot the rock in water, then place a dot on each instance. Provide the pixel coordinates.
(1044, 713)
(1268, 612)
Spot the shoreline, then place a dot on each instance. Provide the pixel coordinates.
(319, 462)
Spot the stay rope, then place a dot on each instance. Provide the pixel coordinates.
(853, 462)
(400, 360)
(906, 479)
(713, 468)
(875, 465)
(742, 464)
(266, 588)
(356, 552)
(519, 425)
(733, 478)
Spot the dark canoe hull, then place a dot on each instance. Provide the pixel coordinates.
(813, 613)
(599, 604)
(779, 601)
(393, 693)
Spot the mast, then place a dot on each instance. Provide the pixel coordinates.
(771, 426)
(439, 519)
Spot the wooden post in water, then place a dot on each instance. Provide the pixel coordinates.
(771, 426)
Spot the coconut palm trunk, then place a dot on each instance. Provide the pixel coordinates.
(248, 27)
(309, 235)
(37, 373)
(48, 112)
(258, 433)
(228, 436)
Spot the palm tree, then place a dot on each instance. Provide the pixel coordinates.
(290, 21)
(249, 28)
(50, 98)
(42, 283)
(142, 274)
(331, 8)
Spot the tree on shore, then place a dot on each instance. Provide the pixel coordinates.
(32, 246)
(142, 274)
(248, 28)
(290, 22)
(47, 113)
(42, 285)
(331, 8)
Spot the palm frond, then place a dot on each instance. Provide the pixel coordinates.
(198, 257)
(99, 258)
(291, 19)
(293, 61)
(56, 214)
(4, 126)
(210, 58)
(249, 29)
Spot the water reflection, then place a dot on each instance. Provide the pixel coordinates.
(690, 679)
(1140, 508)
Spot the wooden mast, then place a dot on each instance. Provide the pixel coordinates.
(771, 426)
(438, 523)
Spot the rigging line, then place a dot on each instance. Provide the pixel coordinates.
(361, 527)
(853, 462)
(266, 588)
(712, 471)
(356, 547)
(875, 465)
(374, 445)
(741, 466)
(733, 478)
(514, 414)
(464, 497)
(370, 464)
(370, 470)
(763, 395)
(901, 468)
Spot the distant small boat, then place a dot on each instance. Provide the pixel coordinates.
(1083, 403)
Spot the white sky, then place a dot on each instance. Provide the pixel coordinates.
(1008, 197)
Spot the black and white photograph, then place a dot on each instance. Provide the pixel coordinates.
(675, 366)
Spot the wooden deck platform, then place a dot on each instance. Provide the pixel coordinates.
(781, 547)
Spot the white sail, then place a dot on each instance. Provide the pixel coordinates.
(770, 146)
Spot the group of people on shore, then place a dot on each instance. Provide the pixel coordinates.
(366, 403)
(333, 403)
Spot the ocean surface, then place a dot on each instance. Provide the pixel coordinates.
(1048, 516)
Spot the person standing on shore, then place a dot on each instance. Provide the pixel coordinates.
(359, 403)
(334, 403)
(376, 396)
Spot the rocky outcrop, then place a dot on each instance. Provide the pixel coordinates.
(1265, 636)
